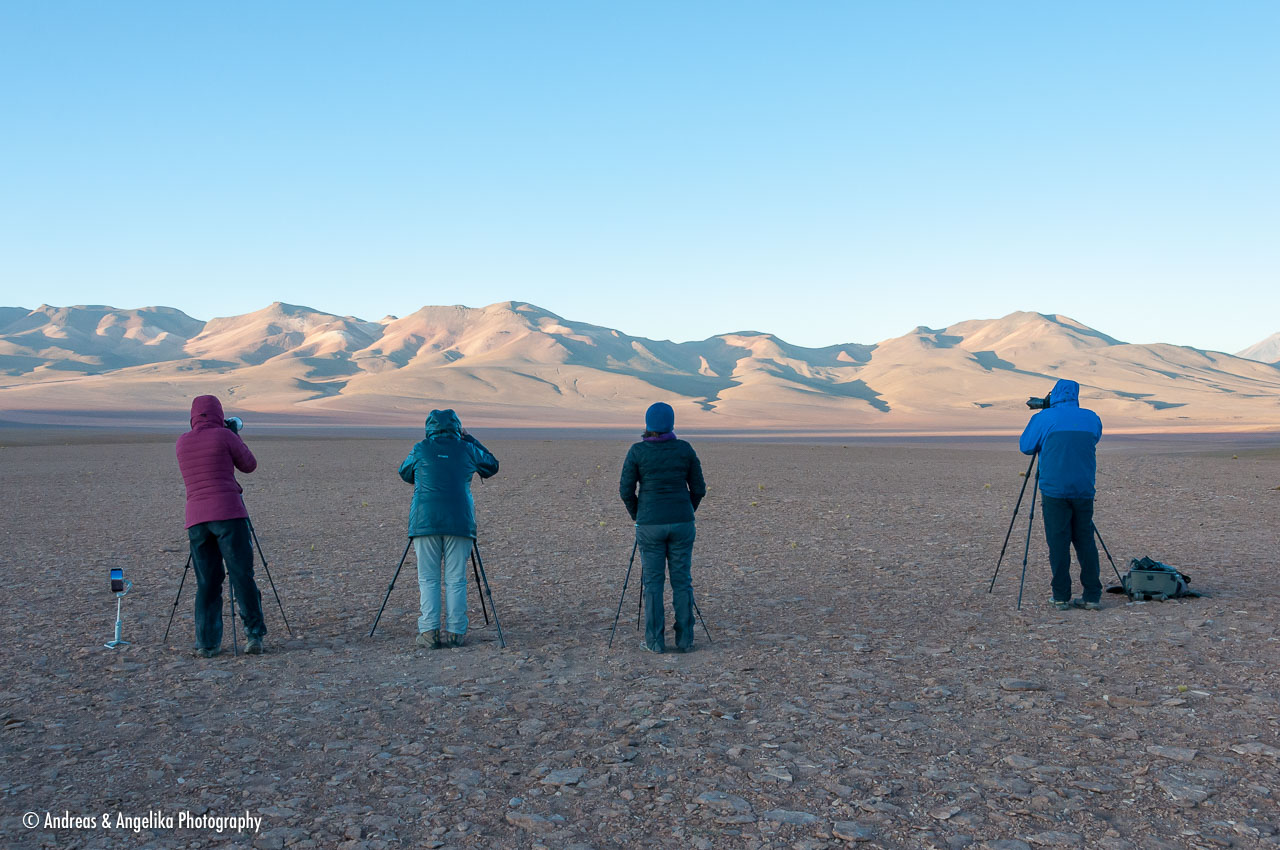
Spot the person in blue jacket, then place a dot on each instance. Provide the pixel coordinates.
(442, 521)
(669, 477)
(1065, 435)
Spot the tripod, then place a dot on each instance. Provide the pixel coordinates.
(232, 594)
(640, 608)
(262, 556)
(1030, 520)
(1112, 560)
(482, 589)
(1027, 545)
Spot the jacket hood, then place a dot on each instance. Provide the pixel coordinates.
(1065, 393)
(443, 423)
(206, 410)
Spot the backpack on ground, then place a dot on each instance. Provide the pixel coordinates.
(1149, 579)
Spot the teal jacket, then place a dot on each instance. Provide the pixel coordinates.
(440, 469)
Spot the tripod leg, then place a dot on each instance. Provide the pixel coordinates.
(640, 604)
(267, 570)
(479, 588)
(176, 598)
(390, 586)
(1112, 560)
(623, 597)
(701, 618)
(1025, 478)
(475, 550)
(231, 591)
(1026, 550)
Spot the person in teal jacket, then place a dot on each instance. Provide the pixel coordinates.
(442, 521)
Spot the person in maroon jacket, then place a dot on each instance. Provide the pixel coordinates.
(218, 525)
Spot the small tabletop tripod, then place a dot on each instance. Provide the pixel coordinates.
(124, 586)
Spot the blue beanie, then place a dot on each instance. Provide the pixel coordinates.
(659, 418)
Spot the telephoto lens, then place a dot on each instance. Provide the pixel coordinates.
(235, 423)
(1039, 403)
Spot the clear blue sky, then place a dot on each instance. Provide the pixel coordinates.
(828, 171)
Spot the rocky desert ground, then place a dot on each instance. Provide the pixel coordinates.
(863, 687)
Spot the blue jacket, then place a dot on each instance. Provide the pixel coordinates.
(440, 469)
(1065, 435)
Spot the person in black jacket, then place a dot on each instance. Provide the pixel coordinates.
(669, 476)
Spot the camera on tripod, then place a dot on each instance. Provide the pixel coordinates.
(1039, 403)
(235, 423)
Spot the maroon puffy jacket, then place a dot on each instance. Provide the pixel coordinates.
(209, 455)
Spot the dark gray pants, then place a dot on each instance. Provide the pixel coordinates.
(212, 544)
(663, 549)
(1067, 523)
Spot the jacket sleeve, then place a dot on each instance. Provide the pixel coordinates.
(697, 486)
(240, 454)
(627, 484)
(1032, 435)
(486, 463)
(406, 468)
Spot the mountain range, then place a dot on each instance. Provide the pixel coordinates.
(516, 364)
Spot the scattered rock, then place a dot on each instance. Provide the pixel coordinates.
(722, 802)
(531, 727)
(852, 831)
(790, 817)
(1056, 839)
(529, 821)
(1179, 754)
(1183, 791)
(776, 773)
(1256, 748)
(567, 776)
(1020, 685)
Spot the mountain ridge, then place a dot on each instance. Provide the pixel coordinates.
(513, 361)
(1264, 351)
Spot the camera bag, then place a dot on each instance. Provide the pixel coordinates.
(1149, 579)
